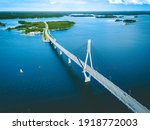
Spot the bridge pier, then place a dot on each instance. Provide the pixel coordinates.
(60, 52)
(89, 72)
(51, 42)
(55, 47)
(69, 61)
(87, 78)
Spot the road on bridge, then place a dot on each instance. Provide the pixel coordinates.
(130, 102)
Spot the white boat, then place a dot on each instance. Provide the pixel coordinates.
(21, 71)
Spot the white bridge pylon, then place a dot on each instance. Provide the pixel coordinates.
(125, 98)
(88, 55)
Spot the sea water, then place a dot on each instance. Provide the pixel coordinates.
(49, 84)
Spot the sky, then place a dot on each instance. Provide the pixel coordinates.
(74, 5)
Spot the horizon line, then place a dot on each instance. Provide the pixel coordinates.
(75, 11)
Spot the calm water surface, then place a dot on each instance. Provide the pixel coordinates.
(49, 84)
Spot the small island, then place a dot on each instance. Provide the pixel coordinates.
(129, 21)
(2, 24)
(32, 28)
(118, 20)
(106, 16)
(136, 16)
(126, 21)
(121, 16)
(81, 15)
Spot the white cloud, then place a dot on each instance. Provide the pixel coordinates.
(138, 2)
(67, 2)
(115, 1)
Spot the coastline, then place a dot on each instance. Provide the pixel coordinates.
(57, 14)
(34, 28)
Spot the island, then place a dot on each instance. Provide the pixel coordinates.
(118, 20)
(127, 21)
(106, 16)
(32, 28)
(136, 16)
(121, 16)
(81, 15)
(60, 25)
(2, 24)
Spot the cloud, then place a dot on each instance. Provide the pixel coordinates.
(136, 2)
(73, 5)
(80, 2)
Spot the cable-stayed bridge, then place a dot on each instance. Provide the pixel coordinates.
(89, 72)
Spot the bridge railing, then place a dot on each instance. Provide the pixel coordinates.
(130, 102)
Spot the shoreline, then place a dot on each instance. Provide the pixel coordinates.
(34, 28)
(57, 14)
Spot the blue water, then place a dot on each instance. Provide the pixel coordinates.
(120, 52)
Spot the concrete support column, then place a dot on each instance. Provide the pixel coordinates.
(60, 52)
(69, 61)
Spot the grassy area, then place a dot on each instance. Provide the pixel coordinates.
(2, 24)
(28, 27)
(60, 25)
(44, 35)
(22, 22)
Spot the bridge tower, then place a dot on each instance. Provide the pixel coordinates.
(88, 55)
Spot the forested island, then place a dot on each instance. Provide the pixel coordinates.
(118, 20)
(2, 24)
(129, 21)
(81, 15)
(37, 27)
(60, 25)
(126, 21)
(106, 16)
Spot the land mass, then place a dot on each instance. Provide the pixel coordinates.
(2, 24)
(118, 20)
(37, 27)
(106, 16)
(129, 20)
(40, 14)
(22, 15)
(81, 15)
(126, 21)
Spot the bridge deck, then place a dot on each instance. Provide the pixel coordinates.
(130, 102)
